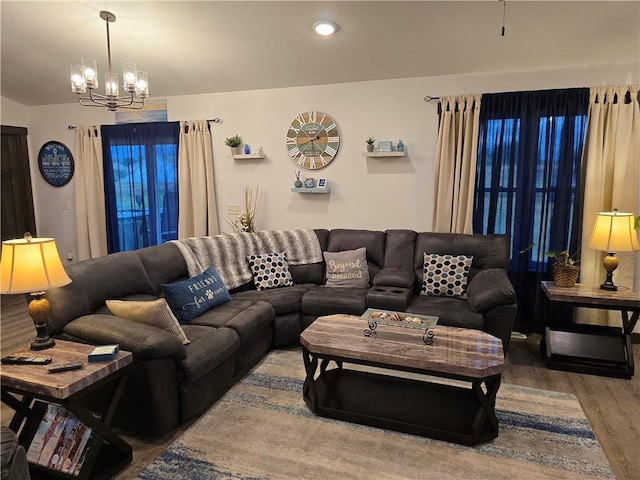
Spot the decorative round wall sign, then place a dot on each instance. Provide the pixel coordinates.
(55, 163)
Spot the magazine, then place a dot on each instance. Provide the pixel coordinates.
(60, 454)
(41, 434)
(53, 435)
(83, 453)
(79, 441)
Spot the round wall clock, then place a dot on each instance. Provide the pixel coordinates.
(55, 163)
(313, 140)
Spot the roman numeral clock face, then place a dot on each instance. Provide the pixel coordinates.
(313, 140)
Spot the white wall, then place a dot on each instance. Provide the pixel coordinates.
(366, 193)
(13, 114)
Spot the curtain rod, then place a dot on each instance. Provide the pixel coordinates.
(214, 120)
(429, 98)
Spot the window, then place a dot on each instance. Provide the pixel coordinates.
(141, 184)
(528, 180)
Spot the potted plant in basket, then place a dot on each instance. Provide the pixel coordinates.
(565, 269)
(234, 142)
(370, 141)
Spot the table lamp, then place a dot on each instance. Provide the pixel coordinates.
(32, 265)
(613, 232)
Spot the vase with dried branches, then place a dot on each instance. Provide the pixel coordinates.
(246, 221)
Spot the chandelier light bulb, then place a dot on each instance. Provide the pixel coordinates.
(111, 84)
(142, 85)
(89, 72)
(77, 82)
(129, 76)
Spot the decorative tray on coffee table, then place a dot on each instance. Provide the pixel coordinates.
(399, 319)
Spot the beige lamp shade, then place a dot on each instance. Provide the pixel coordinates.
(31, 265)
(614, 232)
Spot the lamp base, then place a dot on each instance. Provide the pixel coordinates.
(39, 312)
(610, 263)
(42, 343)
(608, 286)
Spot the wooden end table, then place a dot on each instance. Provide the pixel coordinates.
(593, 349)
(417, 406)
(107, 452)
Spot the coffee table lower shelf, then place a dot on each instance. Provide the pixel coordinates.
(443, 412)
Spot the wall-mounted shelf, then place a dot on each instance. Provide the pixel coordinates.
(247, 156)
(385, 154)
(311, 190)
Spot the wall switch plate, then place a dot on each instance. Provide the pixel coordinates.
(64, 205)
(233, 209)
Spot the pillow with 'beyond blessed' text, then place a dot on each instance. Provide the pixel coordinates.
(191, 298)
(153, 312)
(445, 275)
(347, 269)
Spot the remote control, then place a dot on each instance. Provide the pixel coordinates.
(14, 360)
(63, 367)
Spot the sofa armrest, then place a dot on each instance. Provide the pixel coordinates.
(143, 340)
(490, 288)
(394, 277)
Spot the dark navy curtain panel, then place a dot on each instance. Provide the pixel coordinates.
(528, 183)
(141, 184)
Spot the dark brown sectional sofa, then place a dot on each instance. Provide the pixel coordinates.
(170, 383)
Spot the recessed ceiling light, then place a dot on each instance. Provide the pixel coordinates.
(325, 28)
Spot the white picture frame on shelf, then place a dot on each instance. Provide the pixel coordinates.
(322, 183)
(385, 146)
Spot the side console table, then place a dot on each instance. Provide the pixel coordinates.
(592, 349)
(107, 453)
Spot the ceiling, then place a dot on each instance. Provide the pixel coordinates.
(211, 46)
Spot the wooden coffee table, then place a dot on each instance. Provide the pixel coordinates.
(107, 453)
(419, 405)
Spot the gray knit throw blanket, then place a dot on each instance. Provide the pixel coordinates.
(228, 252)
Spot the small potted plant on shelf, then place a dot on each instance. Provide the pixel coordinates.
(234, 142)
(370, 141)
(565, 268)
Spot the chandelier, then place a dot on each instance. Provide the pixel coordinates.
(84, 81)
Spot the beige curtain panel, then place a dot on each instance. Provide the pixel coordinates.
(611, 165)
(91, 222)
(197, 215)
(456, 155)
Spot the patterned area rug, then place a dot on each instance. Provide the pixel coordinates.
(261, 429)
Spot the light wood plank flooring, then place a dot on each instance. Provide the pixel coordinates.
(611, 405)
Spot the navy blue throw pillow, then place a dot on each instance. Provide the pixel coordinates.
(191, 298)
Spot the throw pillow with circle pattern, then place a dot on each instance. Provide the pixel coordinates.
(445, 275)
(270, 270)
